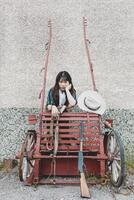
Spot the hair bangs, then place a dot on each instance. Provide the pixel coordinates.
(64, 78)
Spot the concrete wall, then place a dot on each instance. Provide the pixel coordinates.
(23, 34)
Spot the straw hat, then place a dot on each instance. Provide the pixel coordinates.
(92, 101)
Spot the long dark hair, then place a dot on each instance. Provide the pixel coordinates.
(63, 75)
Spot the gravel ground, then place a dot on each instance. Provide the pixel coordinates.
(12, 189)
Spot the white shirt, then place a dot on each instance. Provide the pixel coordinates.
(62, 98)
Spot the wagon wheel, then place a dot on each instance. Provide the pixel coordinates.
(26, 163)
(116, 158)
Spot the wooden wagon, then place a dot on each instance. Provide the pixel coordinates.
(49, 154)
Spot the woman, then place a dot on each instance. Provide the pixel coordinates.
(62, 96)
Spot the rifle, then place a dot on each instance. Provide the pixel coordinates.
(83, 184)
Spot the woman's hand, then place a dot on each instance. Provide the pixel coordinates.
(55, 111)
(68, 87)
(70, 97)
(62, 109)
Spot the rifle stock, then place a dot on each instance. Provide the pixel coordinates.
(83, 184)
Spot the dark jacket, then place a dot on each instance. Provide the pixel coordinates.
(51, 100)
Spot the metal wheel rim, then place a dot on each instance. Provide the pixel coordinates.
(114, 161)
(26, 165)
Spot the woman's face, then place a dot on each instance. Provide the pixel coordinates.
(63, 84)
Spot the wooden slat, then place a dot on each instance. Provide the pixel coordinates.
(75, 135)
(69, 130)
(72, 148)
(63, 141)
(71, 118)
(46, 136)
(47, 142)
(69, 124)
(63, 147)
(73, 114)
(96, 142)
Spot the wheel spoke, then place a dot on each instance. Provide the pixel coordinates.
(114, 143)
(117, 164)
(31, 168)
(31, 145)
(117, 149)
(29, 142)
(115, 172)
(111, 144)
(25, 168)
(28, 169)
(117, 158)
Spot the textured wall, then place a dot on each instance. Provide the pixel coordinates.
(23, 25)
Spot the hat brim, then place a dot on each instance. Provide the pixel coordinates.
(94, 95)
